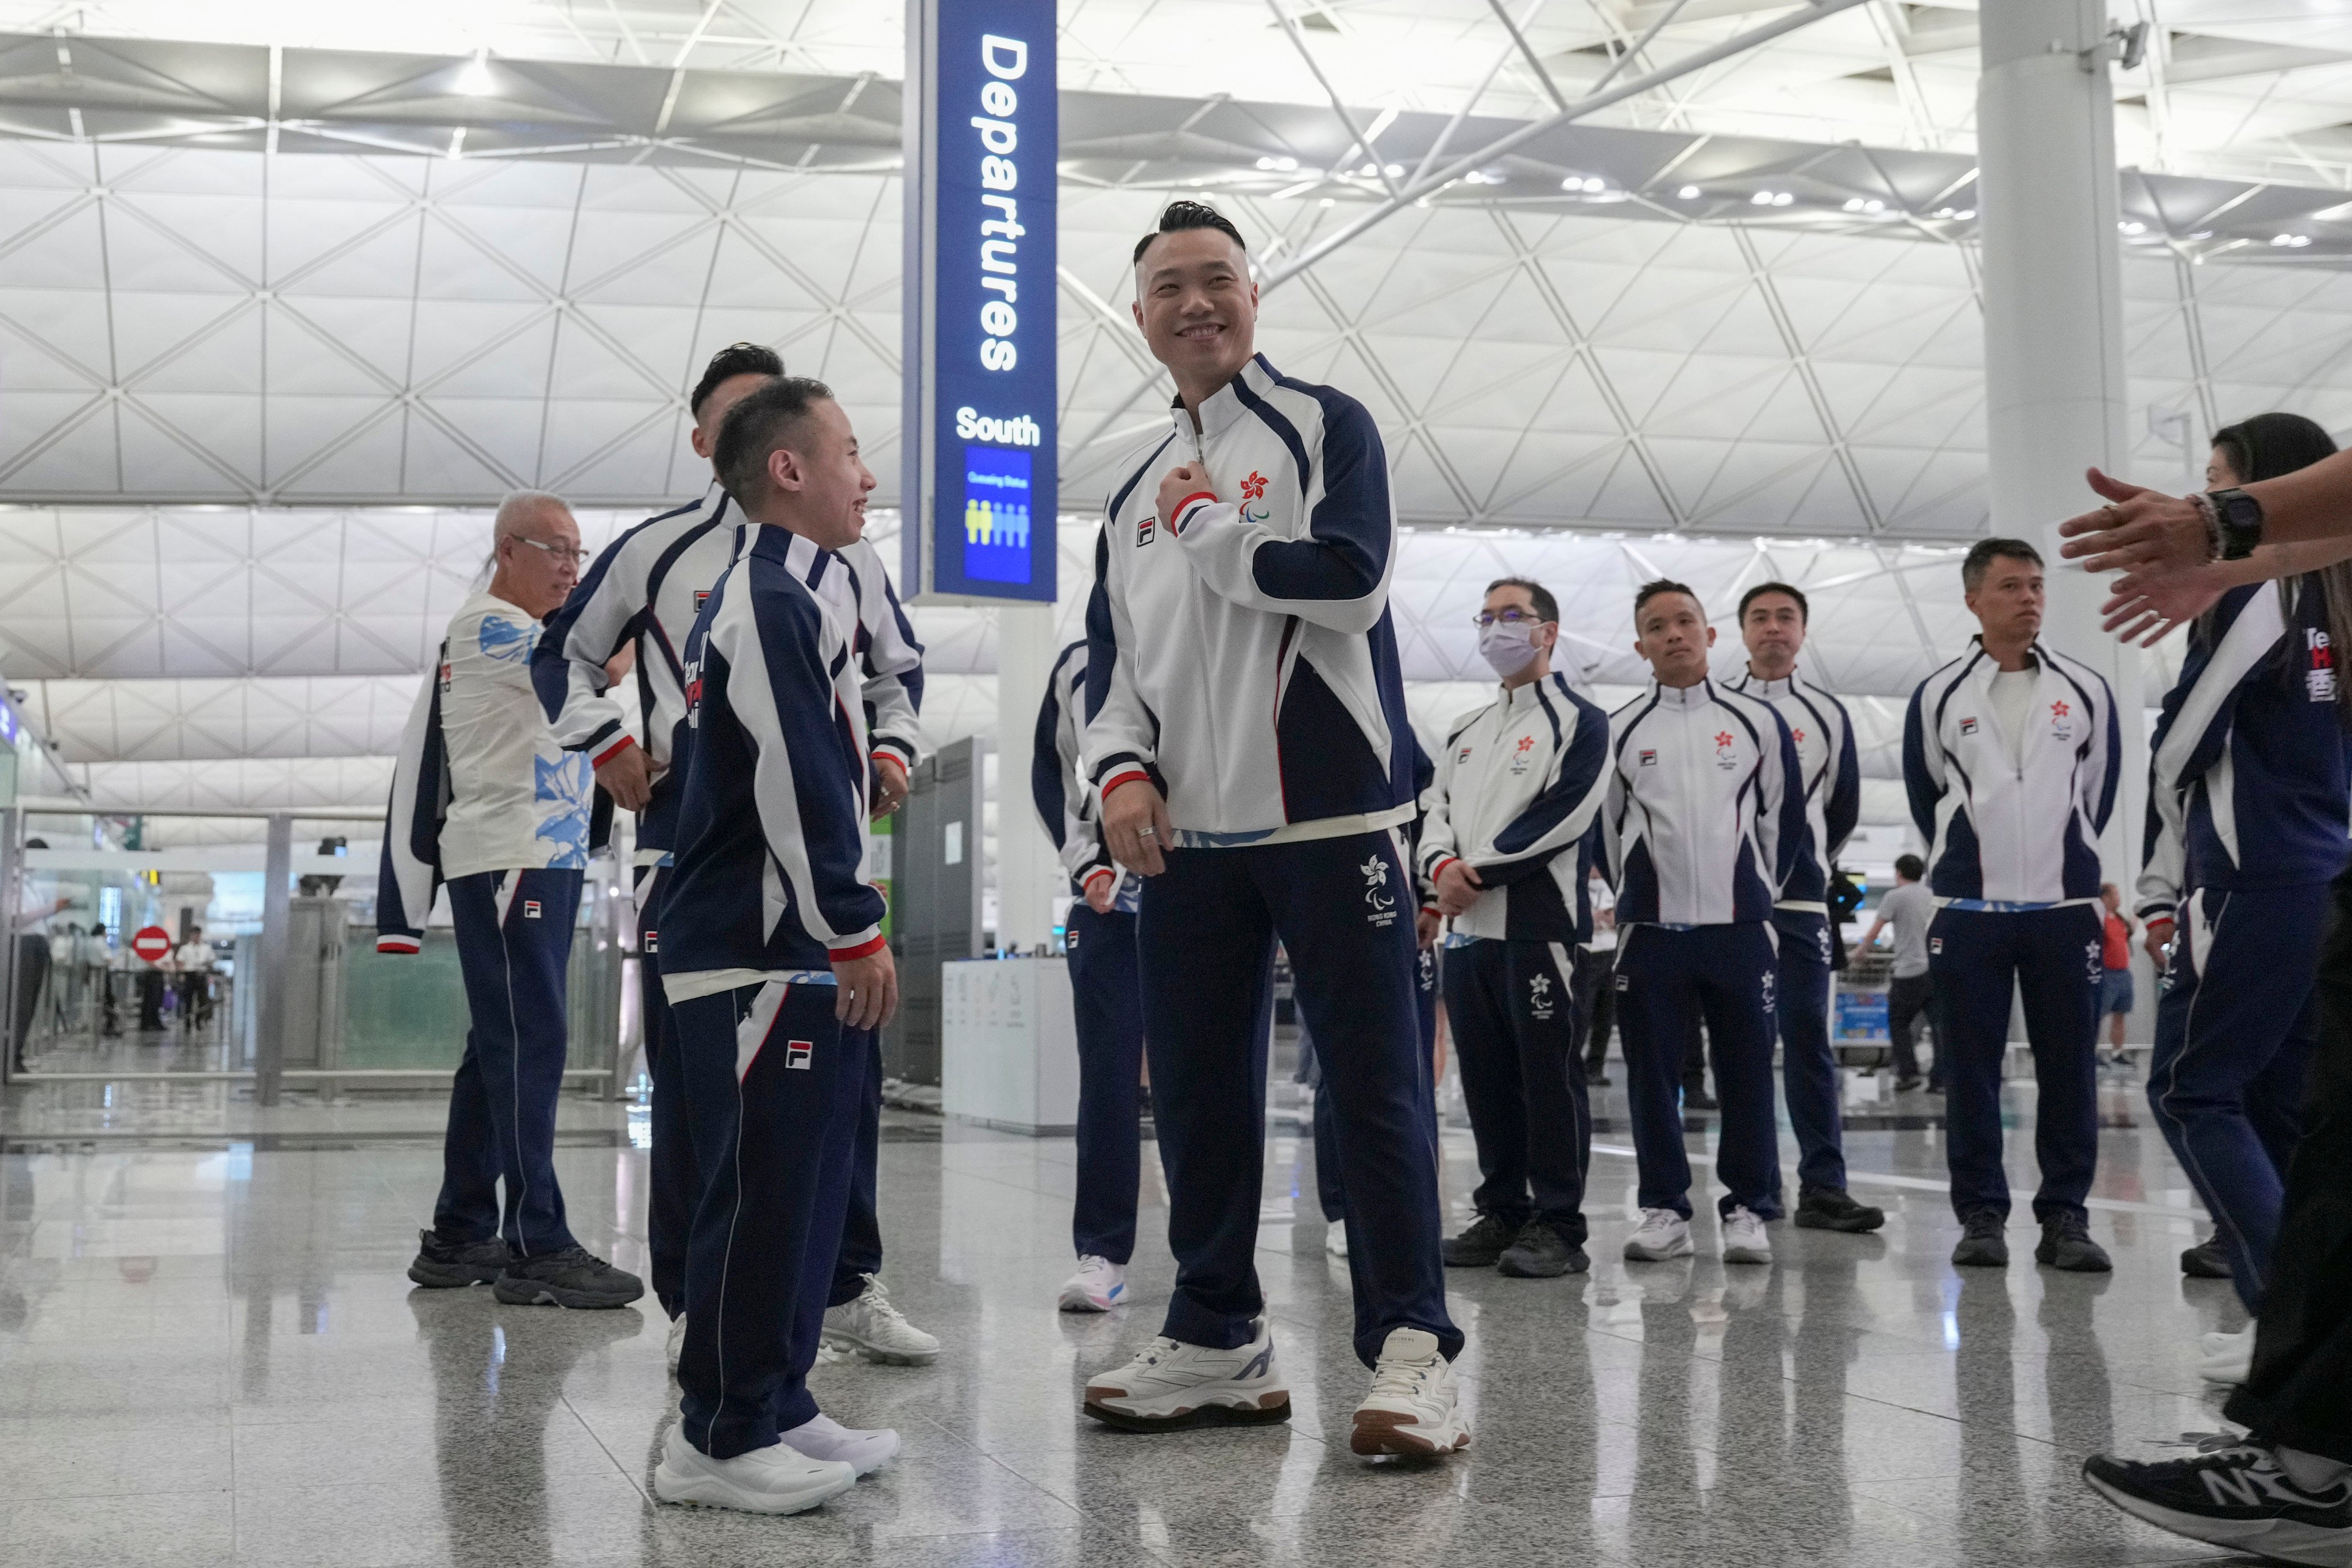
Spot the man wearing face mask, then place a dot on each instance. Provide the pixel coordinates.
(1773, 617)
(1518, 785)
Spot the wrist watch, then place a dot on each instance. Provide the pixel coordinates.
(2237, 523)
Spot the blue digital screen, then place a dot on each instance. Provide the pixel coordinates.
(996, 514)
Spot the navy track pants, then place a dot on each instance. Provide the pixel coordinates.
(2235, 1027)
(1107, 999)
(773, 1085)
(1513, 1004)
(1343, 908)
(1731, 975)
(2053, 956)
(514, 949)
(1809, 1069)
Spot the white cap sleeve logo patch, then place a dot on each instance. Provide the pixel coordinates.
(530, 908)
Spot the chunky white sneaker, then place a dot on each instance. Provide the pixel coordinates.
(1097, 1286)
(778, 1479)
(1412, 1408)
(1170, 1385)
(676, 1346)
(1334, 1240)
(822, 1437)
(1744, 1240)
(2228, 1358)
(877, 1330)
(1664, 1234)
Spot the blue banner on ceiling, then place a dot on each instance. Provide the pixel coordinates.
(978, 479)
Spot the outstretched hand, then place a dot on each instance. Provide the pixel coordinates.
(2139, 530)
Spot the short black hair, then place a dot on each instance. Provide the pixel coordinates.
(1804, 610)
(1651, 589)
(1182, 215)
(2269, 445)
(734, 360)
(757, 426)
(1984, 552)
(1910, 867)
(1539, 596)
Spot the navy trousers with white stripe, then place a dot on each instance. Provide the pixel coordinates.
(774, 1086)
(1808, 1071)
(514, 948)
(1107, 1003)
(2235, 1028)
(1515, 1015)
(1343, 908)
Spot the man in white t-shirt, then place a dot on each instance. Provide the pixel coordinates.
(1907, 909)
(1596, 965)
(193, 963)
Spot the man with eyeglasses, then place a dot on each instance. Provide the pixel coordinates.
(511, 843)
(1520, 783)
(642, 596)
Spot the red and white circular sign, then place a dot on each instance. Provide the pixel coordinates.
(152, 943)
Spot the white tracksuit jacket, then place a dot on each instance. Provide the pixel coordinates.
(1824, 736)
(1704, 821)
(1067, 805)
(1518, 784)
(2002, 836)
(1243, 659)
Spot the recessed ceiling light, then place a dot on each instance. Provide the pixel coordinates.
(476, 80)
(1688, 193)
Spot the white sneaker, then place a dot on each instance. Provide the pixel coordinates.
(1334, 1240)
(778, 1479)
(877, 1330)
(1412, 1408)
(1744, 1240)
(822, 1437)
(1169, 1386)
(676, 1346)
(1097, 1286)
(2228, 1358)
(1664, 1234)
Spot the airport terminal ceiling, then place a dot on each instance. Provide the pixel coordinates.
(263, 256)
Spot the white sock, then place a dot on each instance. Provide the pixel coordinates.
(2312, 1472)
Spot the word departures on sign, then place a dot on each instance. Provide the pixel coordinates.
(979, 482)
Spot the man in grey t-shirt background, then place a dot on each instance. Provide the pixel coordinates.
(1907, 907)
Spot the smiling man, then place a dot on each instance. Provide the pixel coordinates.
(1247, 732)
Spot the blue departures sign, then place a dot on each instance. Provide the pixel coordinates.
(978, 477)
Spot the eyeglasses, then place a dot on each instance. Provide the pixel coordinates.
(577, 557)
(1509, 617)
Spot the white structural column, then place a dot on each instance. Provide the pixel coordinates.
(1028, 873)
(2054, 391)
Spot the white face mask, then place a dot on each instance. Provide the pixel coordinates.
(1508, 649)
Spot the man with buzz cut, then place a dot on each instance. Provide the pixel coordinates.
(1773, 619)
(1518, 785)
(2010, 755)
(640, 597)
(1247, 736)
(774, 961)
(1704, 830)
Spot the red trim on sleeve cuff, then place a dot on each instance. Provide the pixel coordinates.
(398, 944)
(1443, 861)
(872, 944)
(1088, 879)
(1188, 501)
(614, 750)
(887, 753)
(1125, 775)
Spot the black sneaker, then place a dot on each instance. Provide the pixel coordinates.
(1596, 1078)
(573, 1277)
(2206, 1260)
(1985, 1244)
(1834, 1209)
(1482, 1244)
(1699, 1099)
(2236, 1496)
(2066, 1244)
(444, 1265)
(1906, 1085)
(1540, 1252)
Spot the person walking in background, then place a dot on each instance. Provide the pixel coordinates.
(1596, 967)
(2115, 998)
(1907, 910)
(193, 961)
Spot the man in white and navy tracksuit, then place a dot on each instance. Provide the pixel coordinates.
(1518, 786)
(2011, 756)
(1772, 624)
(2248, 792)
(642, 594)
(485, 801)
(1104, 992)
(1703, 829)
(1249, 741)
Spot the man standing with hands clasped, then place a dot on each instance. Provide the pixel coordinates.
(1247, 734)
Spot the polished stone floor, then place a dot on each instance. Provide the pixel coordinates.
(209, 1354)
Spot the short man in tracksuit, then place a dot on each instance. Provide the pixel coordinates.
(1772, 623)
(1105, 996)
(1518, 785)
(774, 958)
(485, 800)
(1248, 738)
(2010, 755)
(642, 596)
(1703, 829)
